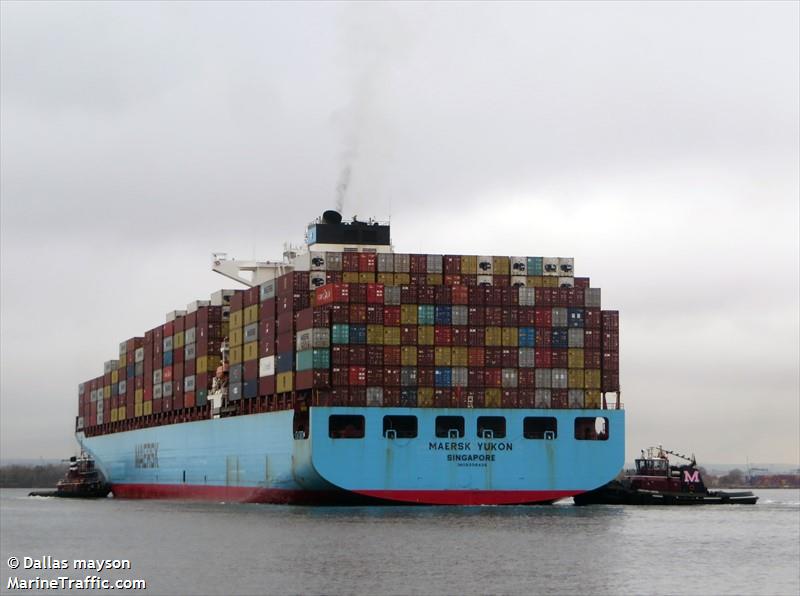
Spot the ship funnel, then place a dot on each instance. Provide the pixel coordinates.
(332, 217)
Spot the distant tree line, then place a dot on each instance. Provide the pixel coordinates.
(27, 476)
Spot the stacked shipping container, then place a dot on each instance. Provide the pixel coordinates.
(378, 329)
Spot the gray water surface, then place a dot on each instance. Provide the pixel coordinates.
(219, 548)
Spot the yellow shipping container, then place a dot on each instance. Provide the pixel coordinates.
(122, 413)
(213, 363)
(492, 397)
(177, 340)
(459, 356)
(201, 364)
(251, 314)
(408, 314)
(235, 356)
(138, 396)
(147, 408)
(284, 382)
(250, 351)
(236, 338)
(137, 410)
(591, 398)
(425, 397)
(402, 279)
(113, 414)
(469, 265)
(510, 336)
(575, 358)
(123, 359)
(107, 392)
(115, 376)
(386, 279)
(350, 277)
(236, 319)
(408, 356)
(366, 278)
(575, 378)
(534, 281)
(391, 336)
(425, 335)
(591, 378)
(442, 356)
(501, 266)
(549, 282)
(435, 279)
(375, 334)
(226, 326)
(493, 336)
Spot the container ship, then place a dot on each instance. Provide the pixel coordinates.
(347, 372)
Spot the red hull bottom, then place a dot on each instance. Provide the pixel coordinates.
(241, 494)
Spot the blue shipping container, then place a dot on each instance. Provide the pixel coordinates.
(444, 315)
(250, 389)
(284, 362)
(168, 358)
(575, 317)
(560, 338)
(527, 337)
(358, 334)
(443, 376)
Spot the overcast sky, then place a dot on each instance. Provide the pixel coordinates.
(656, 143)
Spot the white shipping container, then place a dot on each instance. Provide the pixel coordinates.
(541, 398)
(122, 387)
(518, 281)
(250, 333)
(460, 376)
(93, 395)
(485, 280)
(194, 306)
(559, 316)
(303, 340)
(575, 337)
(543, 378)
(559, 378)
(385, 262)
(157, 376)
(391, 295)
(266, 366)
(320, 337)
(266, 290)
(485, 265)
(318, 261)
(221, 297)
(566, 282)
(375, 396)
(189, 335)
(189, 383)
(316, 279)
(550, 266)
(138, 355)
(174, 314)
(509, 377)
(402, 263)
(527, 358)
(110, 365)
(81, 388)
(566, 266)
(189, 351)
(123, 348)
(434, 263)
(166, 389)
(591, 297)
(157, 391)
(80, 422)
(575, 398)
(519, 266)
(333, 261)
(527, 297)
(168, 344)
(460, 315)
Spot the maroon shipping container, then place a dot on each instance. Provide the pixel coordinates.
(610, 340)
(559, 357)
(592, 358)
(509, 398)
(408, 294)
(418, 263)
(610, 361)
(442, 397)
(189, 367)
(322, 317)
(609, 381)
(374, 314)
(375, 293)
(357, 375)
(237, 300)
(250, 370)
(476, 357)
(492, 377)
(474, 377)
(266, 385)
(610, 319)
(374, 355)
(358, 293)
(592, 319)
(460, 295)
(493, 356)
(426, 376)
(426, 294)
(582, 282)
(391, 316)
(304, 319)
(350, 261)
(460, 336)
(543, 316)
(476, 336)
(340, 355)
(191, 320)
(391, 397)
(426, 356)
(374, 376)
(494, 316)
(340, 313)
(358, 313)
(542, 358)
(333, 277)
(179, 324)
(526, 378)
(477, 297)
(391, 377)
(452, 264)
(443, 335)
(442, 295)
(559, 398)
(476, 315)
(510, 316)
(285, 342)
(510, 357)
(357, 355)
(408, 335)
(268, 309)
(592, 339)
(391, 355)
(285, 323)
(526, 397)
(168, 329)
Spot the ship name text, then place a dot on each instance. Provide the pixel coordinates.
(146, 455)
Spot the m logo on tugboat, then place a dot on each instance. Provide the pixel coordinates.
(691, 477)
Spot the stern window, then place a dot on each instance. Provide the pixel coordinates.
(450, 427)
(591, 429)
(491, 427)
(345, 427)
(400, 427)
(535, 427)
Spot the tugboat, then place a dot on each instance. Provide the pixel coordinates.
(657, 482)
(82, 481)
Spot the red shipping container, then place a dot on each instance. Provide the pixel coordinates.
(340, 375)
(189, 367)
(130, 410)
(460, 295)
(576, 297)
(168, 329)
(202, 381)
(476, 315)
(426, 376)
(237, 300)
(375, 294)
(582, 282)
(322, 317)
(510, 357)
(304, 319)
(158, 406)
(476, 336)
(418, 263)
(558, 357)
(452, 280)
(350, 261)
(268, 309)
(374, 376)
(333, 277)
(177, 356)
(559, 398)
(542, 296)
(492, 377)
(358, 293)
(189, 399)
(494, 316)
(426, 355)
(443, 335)
(374, 314)
(304, 379)
(357, 375)
(191, 319)
(358, 313)
(542, 358)
(460, 336)
(493, 356)
(610, 341)
(592, 339)
(527, 316)
(285, 342)
(391, 316)
(509, 294)
(592, 319)
(501, 281)
(266, 346)
(474, 377)
(340, 355)
(391, 397)
(266, 328)
(426, 294)
(340, 313)
(451, 264)
(408, 335)
(509, 398)
(610, 319)
(544, 337)
(510, 316)
(610, 361)
(367, 262)
(408, 294)
(166, 373)
(477, 297)
(592, 358)
(179, 324)
(526, 398)
(391, 355)
(285, 323)
(474, 398)
(442, 295)
(476, 357)
(374, 356)
(442, 398)
(147, 393)
(391, 378)
(266, 385)
(250, 370)
(357, 355)
(563, 297)
(526, 378)
(138, 383)
(543, 316)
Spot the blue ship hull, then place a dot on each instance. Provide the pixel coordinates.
(256, 458)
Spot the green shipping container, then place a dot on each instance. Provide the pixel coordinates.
(321, 358)
(340, 333)
(304, 360)
(425, 313)
(535, 266)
